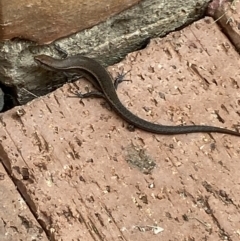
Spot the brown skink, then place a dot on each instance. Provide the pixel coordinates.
(102, 80)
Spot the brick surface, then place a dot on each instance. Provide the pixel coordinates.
(53, 19)
(92, 179)
(16, 220)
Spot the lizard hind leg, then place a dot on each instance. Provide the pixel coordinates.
(120, 78)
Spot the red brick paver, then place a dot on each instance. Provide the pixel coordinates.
(92, 179)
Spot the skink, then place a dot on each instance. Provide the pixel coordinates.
(102, 80)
